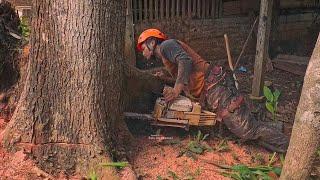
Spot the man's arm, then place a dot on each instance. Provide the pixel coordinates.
(173, 51)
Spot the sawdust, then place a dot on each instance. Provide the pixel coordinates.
(153, 160)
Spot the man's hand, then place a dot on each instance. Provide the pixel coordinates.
(171, 94)
(159, 74)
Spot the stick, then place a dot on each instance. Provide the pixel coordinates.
(246, 43)
(214, 163)
(230, 60)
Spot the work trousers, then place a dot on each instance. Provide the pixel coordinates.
(221, 96)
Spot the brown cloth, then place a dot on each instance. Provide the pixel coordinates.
(199, 67)
(221, 96)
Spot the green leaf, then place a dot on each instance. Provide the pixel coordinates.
(270, 107)
(268, 94)
(195, 147)
(282, 159)
(189, 177)
(93, 176)
(173, 175)
(264, 175)
(276, 95)
(115, 164)
(277, 170)
(199, 136)
(236, 177)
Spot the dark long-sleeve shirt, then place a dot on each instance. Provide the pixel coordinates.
(172, 51)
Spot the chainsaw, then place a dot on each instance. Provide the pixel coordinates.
(181, 113)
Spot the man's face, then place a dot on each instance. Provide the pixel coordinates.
(146, 52)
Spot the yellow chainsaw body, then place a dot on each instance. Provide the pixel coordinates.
(182, 113)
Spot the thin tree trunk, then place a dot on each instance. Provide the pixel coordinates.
(71, 102)
(306, 130)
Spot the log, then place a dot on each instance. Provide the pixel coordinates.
(298, 70)
(301, 60)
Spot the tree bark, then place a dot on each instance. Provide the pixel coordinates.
(306, 130)
(71, 106)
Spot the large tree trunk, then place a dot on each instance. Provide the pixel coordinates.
(306, 130)
(71, 104)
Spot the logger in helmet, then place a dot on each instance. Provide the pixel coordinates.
(211, 85)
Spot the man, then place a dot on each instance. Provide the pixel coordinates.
(211, 86)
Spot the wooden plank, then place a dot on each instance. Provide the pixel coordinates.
(220, 9)
(290, 61)
(183, 10)
(199, 8)
(208, 5)
(293, 59)
(156, 9)
(178, 8)
(145, 10)
(203, 8)
(134, 11)
(194, 8)
(161, 9)
(262, 47)
(292, 68)
(167, 9)
(217, 8)
(173, 2)
(213, 10)
(189, 8)
(151, 10)
(231, 8)
(140, 10)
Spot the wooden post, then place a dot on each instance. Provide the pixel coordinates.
(262, 47)
(129, 49)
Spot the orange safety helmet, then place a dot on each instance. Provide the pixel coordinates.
(149, 33)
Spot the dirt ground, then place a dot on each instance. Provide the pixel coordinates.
(156, 159)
